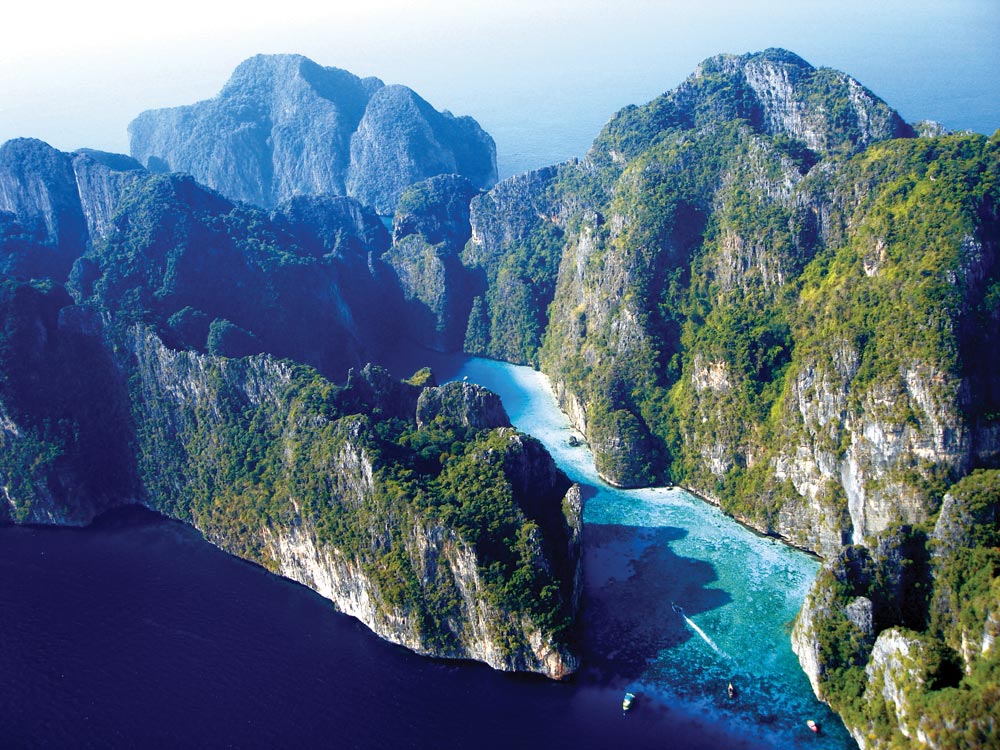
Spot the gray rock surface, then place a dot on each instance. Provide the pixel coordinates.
(462, 404)
(55, 205)
(180, 389)
(333, 225)
(430, 228)
(41, 219)
(284, 126)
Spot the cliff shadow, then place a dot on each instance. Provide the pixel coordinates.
(632, 578)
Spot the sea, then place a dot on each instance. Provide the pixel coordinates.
(136, 632)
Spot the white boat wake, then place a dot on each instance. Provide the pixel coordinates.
(704, 636)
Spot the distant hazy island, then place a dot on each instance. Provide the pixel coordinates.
(763, 285)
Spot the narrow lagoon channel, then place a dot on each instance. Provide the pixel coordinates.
(737, 592)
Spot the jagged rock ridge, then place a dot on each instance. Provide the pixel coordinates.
(284, 126)
(900, 638)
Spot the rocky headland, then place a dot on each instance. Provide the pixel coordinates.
(763, 285)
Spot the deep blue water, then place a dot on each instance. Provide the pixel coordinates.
(136, 632)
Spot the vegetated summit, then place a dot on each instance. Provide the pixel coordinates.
(284, 126)
(763, 284)
(766, 286)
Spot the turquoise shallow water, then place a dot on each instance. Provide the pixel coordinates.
(646, 550)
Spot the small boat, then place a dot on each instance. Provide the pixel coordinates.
(812, 725)
(628, 701)
(731, 690)
(677, 608)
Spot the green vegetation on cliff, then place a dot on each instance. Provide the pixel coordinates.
(516, 247)
(924, 668)
(430, 228)
(144, 379)
(64, 427)
(767, 289)
(261, 447)
(760, 285)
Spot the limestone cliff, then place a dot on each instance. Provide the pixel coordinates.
(402, 140)
(401, 553)
(41, 219)
(419, 511)
(59, 203)
(461, 403)
(102, 181)
(900, 639)
(516, 233)
(477, 629)
(64, 428)
(781, 94)
(728, 293)
(430, 228)
(284, 126)
(337, 226)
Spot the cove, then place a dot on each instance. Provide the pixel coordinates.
(136, 632)
(646, 550)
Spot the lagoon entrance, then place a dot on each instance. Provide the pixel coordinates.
(646, 550)
(141, 633)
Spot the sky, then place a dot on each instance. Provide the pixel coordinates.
(541, 76)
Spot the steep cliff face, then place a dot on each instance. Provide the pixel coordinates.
(64, 427)
(284, 126)
(879, 408)
(476, 628)
(463, 404)
(417, 510)
(55, 205)
(211, 275)
(430, 228)
(60, 203)
(755, 293)
(102, 180)
(514, 248)
(333, 225)
(393, 522)
(900, 639)
(41, 219)
(402, 140)
(784, 91)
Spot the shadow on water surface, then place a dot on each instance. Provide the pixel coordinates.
(631, 579)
